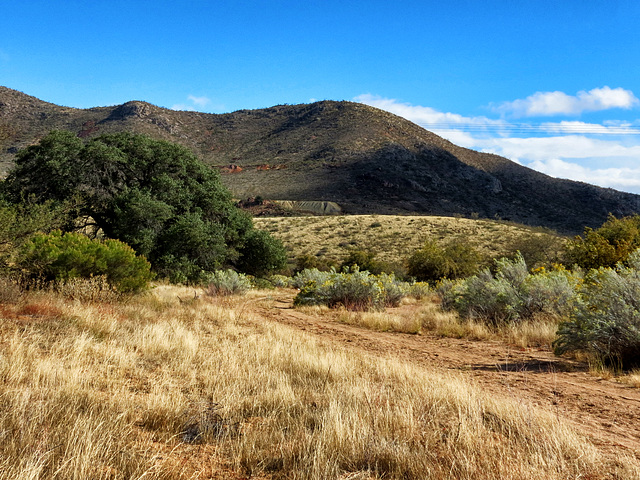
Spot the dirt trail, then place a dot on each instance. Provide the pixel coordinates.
(606, 411)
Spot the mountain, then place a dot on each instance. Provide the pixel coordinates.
(364, 159)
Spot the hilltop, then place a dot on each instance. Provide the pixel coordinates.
(362, 158)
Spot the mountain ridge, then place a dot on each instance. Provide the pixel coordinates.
(365, 159)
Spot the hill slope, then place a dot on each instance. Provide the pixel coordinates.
(364, 159)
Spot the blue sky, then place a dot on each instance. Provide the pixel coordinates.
(550, 84)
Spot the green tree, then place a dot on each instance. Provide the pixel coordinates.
(613, 242)
(18, 222)
(261, 254)
(364, 260)
(153, 195)
(433, 262)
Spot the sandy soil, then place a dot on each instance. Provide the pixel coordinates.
(606, 411)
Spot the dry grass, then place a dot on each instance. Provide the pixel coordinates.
(427, 316)
(393, 237)
(382, 321)
(159, 389)
(632, 378)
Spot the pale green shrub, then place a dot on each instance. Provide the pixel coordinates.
(310, 275)
(281, 281)
(227, 282)
(354, 290)
(419, 290)
(606, 321)
(512, 294)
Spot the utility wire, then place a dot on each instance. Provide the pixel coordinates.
(545, 129)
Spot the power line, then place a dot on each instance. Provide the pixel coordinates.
(545, 129)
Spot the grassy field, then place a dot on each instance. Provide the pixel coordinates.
(394, 237)
(168, 386)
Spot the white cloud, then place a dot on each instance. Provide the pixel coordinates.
(425, 116)
(197, 104)
(559, 103)
(199, 101)
(601, 154)
(183, 107)
(570, 146)
(627, 179)
(607, 128)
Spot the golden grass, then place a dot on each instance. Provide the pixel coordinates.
(632, 378)
(392, 237)
(140, 390)
(382, 321)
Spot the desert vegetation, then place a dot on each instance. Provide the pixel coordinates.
(155, 196)
(159, 388)
(384, 242)
(108, 375)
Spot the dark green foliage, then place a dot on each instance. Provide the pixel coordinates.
(19, 221)
(607, 245)
(542, 248)
(432, 262)
(307, 262)
(57, 256)
(606, 321)
(153, 195)
(364, 260)
(261, 254)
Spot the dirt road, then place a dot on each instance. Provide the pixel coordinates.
(606, 411)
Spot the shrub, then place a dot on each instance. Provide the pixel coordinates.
(606, 321)
(18, 222)
(357, 290)
(432, 262)
(540, 248)
(308, 275)
(156, 196)
(227, 282)
(280, 281)
(364, 260)
(512, 294)
(419, 290)
(261, 254)
(10, 291)
(613, 242)
(59, 257)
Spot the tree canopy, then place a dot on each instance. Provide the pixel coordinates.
(153, 195)
(606, 246)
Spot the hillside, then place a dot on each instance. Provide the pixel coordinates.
(395, 237)
(364, 159)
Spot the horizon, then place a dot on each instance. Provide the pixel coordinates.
(550, 86)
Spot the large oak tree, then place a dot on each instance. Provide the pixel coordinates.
(153, 195)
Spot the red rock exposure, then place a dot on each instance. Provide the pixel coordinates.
(231, 169)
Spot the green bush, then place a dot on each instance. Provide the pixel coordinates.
(280, 281)
(512, 294)
(261, 254)
(419, 290)
(60, 257)
(606, 320)
(613, 242)
(308, 275)
(18, 222)
(432, 262)
(227, 282)
(156, 196)
(364, 260)
(357, 290)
